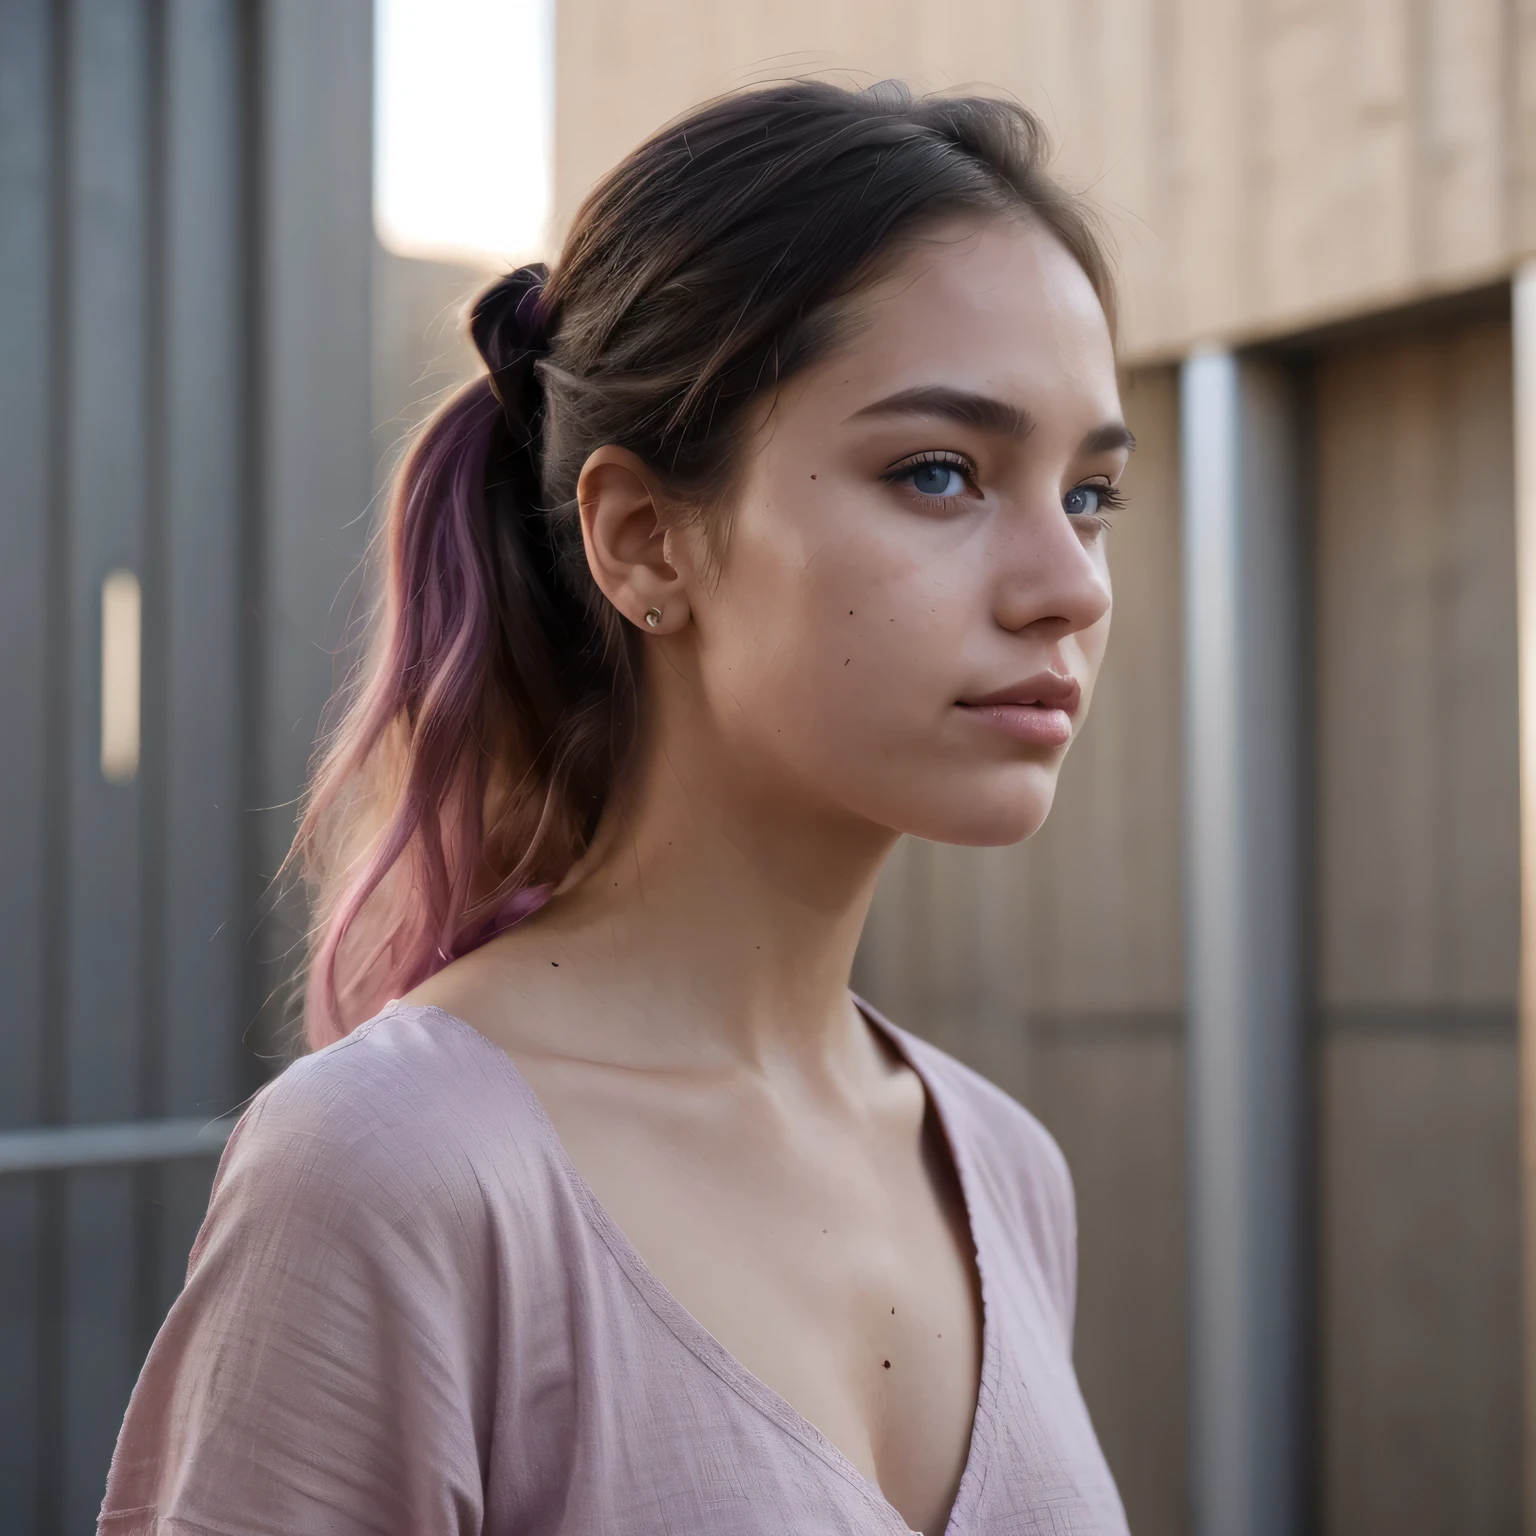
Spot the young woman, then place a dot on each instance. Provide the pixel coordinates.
(774, 530)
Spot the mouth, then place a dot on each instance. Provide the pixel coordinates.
(1039, 710)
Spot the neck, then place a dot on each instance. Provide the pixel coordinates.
(719, 916)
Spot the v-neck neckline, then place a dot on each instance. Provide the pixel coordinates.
(706, 1348)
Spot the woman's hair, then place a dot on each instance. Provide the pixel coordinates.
(498, 702)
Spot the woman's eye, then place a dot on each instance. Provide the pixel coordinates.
(1083, 500)
(936, 479)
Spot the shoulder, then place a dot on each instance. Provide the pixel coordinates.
(1014, 1163)
(401, 1122)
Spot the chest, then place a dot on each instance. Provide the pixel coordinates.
(832, 1259)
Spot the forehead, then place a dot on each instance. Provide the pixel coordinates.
(999, 308)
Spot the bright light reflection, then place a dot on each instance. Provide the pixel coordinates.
(464, 102)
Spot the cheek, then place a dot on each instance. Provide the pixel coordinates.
(841, 636)
(1091, 645)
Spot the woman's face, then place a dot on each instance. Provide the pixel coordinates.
(914, 598)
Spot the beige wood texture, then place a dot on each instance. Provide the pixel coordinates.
(1114, 1100)
(1418, 935)
(1420, 1297)
(1419, 792)
(1263, 166)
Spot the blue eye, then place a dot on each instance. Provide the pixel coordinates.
(1083, 500)
(936, 479)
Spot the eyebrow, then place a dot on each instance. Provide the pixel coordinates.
(1109, 437)
(987, 414)
(980, 411)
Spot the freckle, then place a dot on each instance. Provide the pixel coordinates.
(887, 1365)
(813, 477)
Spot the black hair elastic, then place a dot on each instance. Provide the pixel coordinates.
(509, 327)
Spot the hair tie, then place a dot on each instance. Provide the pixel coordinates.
(509, 327)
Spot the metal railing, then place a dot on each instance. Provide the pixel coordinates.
(94, 1146)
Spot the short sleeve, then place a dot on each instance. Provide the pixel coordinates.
(322, 1370)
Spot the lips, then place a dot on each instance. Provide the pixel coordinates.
(1037, 711)
(1045, 690)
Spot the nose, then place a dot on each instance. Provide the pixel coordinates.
(1048, 573)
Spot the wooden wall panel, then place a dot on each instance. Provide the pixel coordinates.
(1114, 1100)
(1417, 935)
(1416, 686)
(1462, 113)
(1263, 166)
(1420, 1306)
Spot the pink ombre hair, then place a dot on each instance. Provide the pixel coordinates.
(429, 822)
(499, 701)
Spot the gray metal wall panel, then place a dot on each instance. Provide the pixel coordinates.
(156, 349)
(108, 370)
(1245, 829)
(316, 249)
(25, 371)
(204, 373)
(25, 171)
(201, 930)
(108, 192)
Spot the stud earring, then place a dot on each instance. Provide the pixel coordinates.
(653, 617)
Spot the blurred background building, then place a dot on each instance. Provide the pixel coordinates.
(1259, 974)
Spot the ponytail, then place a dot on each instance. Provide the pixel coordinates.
(469, 772)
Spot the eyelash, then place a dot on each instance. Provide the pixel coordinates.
(908, 467)
(1110, 499)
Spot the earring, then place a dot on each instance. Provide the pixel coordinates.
(653, 617)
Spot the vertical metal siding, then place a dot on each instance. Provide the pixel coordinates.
(1244, 829)
(25, 282)
(315, 223)
(106, 346)
(185, 264)
(202, 928)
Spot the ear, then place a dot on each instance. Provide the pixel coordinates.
(625, 533)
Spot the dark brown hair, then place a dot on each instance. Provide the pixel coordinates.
(499, 702)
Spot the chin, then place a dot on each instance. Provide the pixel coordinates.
(995, 813)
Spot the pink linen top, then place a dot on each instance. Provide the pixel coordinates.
(406, 1314)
